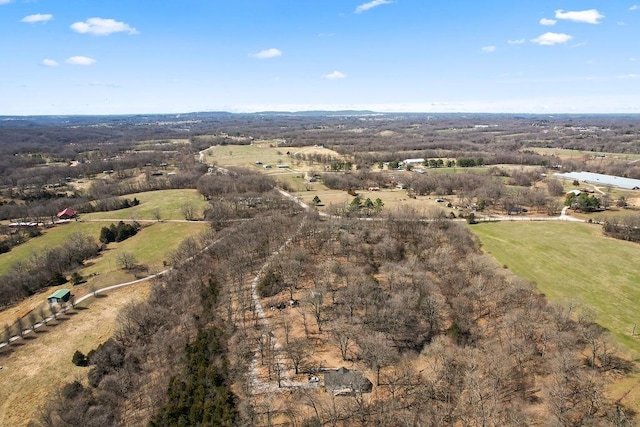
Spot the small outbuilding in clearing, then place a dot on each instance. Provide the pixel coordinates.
(59, 296)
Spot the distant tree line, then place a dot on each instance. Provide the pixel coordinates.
(108, 204)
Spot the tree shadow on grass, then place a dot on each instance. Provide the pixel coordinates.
(6, 351)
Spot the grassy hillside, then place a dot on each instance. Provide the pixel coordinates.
(51, 237)
(167, 202)
(567, 260)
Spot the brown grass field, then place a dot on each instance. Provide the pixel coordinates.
(36, 367)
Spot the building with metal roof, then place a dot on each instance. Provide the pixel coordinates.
(59, 296)
(601, 179)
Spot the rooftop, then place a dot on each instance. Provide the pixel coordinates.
(60, 293)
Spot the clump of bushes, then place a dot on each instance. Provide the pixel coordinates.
(79, 359)
(271, 284)
(117, 232)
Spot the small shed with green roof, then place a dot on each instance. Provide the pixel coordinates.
(61, 295)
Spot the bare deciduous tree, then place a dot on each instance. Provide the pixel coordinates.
(316, 301)
(20, 326)
(188, 210)
(7, 334)
(377, 351)
(126, 260)
(342, 336)
(298, 351)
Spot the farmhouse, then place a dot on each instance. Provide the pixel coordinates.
(61, 295)
(67, 213)
(343, 382)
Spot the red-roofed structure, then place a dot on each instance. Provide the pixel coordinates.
(67, 213)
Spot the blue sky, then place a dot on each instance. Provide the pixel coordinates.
(170, 56)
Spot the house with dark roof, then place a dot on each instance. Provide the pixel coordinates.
(342, 382)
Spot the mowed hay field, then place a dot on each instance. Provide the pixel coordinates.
(267, 154)
(167, 203)
(36, 367)
(574, 261)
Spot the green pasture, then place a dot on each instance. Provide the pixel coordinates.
(167, 202)
(51, 237)
(573, 261)
(151, 247)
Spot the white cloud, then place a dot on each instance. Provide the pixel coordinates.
(488, 49)
(591, 16)
(548, 39)
(370, 5)
(5, 1)
(102, 27)
(516, 41)
(335, 75)
(629, 76)
(38, 17)
(49, 63)
(80, 60)
(548, 22)
(267, 53)
(634, 7)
